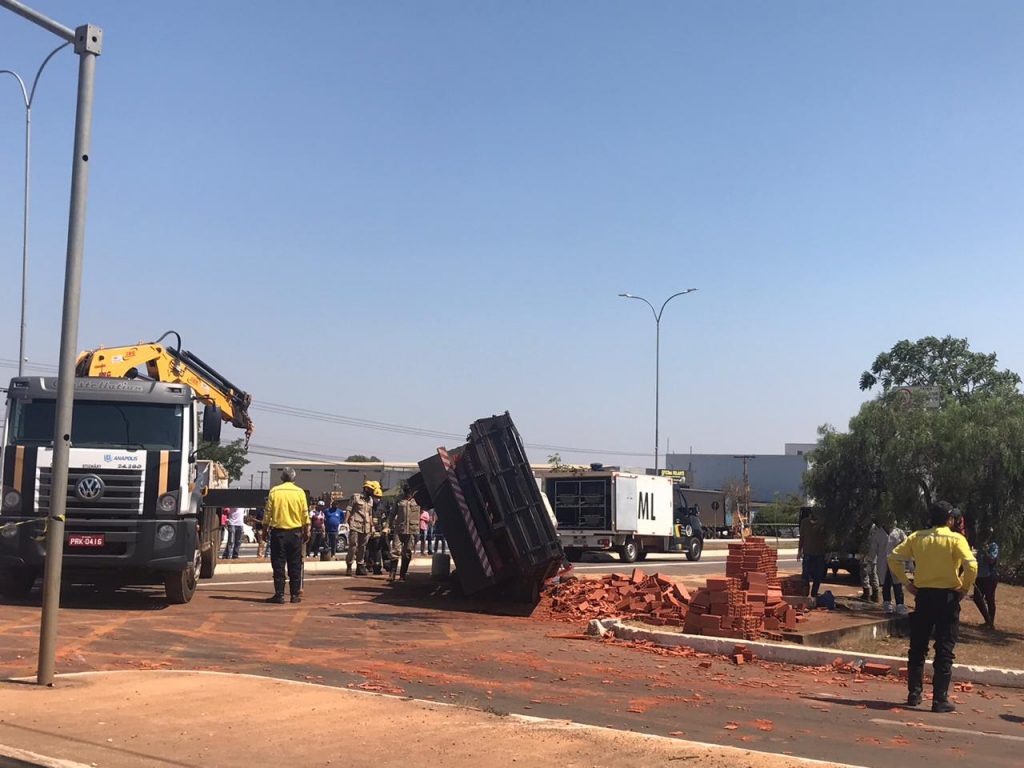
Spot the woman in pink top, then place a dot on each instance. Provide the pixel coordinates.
(424, 525)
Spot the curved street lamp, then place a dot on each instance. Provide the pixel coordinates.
(28, 96)
(657, 356)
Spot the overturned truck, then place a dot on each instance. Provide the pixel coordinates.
(502, 539)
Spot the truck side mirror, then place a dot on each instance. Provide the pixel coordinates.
(211, 424)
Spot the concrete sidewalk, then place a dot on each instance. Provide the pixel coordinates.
(155, 719)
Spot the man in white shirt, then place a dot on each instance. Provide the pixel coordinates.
(236, 517)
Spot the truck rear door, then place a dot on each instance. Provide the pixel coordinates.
(643, 505)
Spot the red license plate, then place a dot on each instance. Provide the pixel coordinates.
(86, 540)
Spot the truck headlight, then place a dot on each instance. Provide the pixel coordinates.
(168, 503)
(165, 533)
(12, 500)
(9, 531)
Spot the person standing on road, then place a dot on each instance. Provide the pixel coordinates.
(440, 545)
(287, 519)
(360, 523)
(890, 586)
(812, 549)
(424, 526)
(407, 526)
(988, 578)
(939, 554)
(332, 521)
(236, 517)
(259, 531)
(873, 548)
(318, 536)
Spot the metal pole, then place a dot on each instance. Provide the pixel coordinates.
(657, 384)
(24, 238)
(88, 41)
(657, 359)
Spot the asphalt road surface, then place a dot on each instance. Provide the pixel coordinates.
(414, 640)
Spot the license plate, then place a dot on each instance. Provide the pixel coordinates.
(86, 540)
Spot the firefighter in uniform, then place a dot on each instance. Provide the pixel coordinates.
(378, 547)
(939, 554)
(407, 526)
(286, 517)
(360, 522)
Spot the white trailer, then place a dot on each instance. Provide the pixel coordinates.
(623, 512)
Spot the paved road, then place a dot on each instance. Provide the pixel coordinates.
(412, 639)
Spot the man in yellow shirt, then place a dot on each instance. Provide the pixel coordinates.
(287, 519)
(944, 573)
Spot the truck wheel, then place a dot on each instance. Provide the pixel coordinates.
(573, 554)
(208, 562)
(629, 552)
(17, 582)
(180, 586)
(694, 548)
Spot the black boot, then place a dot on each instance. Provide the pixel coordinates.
(361, 570)
(405, 566)
(865, 595)
(874, 595)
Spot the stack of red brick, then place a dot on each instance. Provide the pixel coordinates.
(747, 603)
(656, 599)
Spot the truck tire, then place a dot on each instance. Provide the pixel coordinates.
(573, 554)
(180, 586)
(208, 562)
(17, 583)
(642, 556)
(629, 551)
(694, 548)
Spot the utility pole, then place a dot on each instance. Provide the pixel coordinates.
(745, 507)
(88, 42)
(252, 480)
(262, 473)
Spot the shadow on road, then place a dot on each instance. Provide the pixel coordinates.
(432, 595)
(76, 597)
(882, 706)
(262, 599)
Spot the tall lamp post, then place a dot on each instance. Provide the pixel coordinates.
(88, 44)
(657, 356)
(28, 97)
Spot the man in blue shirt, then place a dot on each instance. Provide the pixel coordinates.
(333, 518)
(988, 578)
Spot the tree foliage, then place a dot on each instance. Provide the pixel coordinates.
(783, 510)
(361, 457)
(232, 455)
(946, 364)
(898, 455)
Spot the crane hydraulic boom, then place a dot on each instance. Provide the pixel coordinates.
(172, 365)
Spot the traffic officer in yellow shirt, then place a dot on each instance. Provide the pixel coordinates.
(287, 519)
(944, 573)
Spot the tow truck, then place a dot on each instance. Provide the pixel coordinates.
(135, 511)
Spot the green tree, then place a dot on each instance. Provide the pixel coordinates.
(898, 455)
(361, 457)
(232, 455)
(946, 364)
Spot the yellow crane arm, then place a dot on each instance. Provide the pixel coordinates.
(171, 365)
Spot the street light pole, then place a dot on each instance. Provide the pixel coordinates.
(657, 358)
(28, 97)
(88, 42)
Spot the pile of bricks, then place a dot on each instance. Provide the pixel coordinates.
(655, 599)
(747, 604)
(795, 586)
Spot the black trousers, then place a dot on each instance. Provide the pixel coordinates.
(286, 552)
(935, 611)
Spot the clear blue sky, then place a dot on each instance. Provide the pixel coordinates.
(422, 212)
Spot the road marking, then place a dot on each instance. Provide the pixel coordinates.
(526, 719)
(32, 758)
(945, 729)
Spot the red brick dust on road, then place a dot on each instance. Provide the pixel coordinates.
(409, 640)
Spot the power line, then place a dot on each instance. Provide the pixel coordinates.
(281, 409)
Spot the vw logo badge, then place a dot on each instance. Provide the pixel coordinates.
(89, 488)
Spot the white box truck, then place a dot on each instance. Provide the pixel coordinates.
(634, 515)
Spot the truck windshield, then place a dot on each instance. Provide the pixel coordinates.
(98, 424)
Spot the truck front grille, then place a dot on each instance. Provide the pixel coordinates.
(122, 494)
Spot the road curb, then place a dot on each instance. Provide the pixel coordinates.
(794, 654)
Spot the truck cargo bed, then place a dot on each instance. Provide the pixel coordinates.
(491, 510)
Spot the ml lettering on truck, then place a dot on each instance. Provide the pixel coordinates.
(645, 506)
